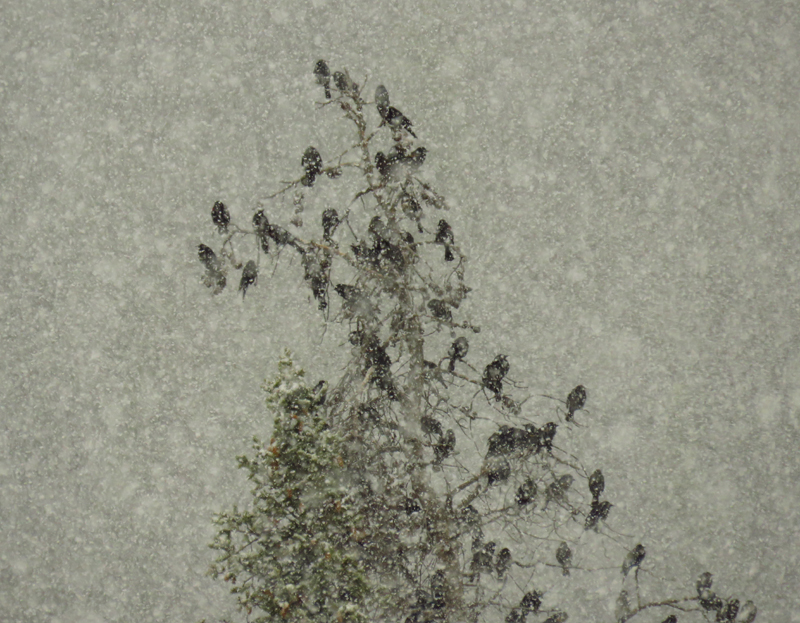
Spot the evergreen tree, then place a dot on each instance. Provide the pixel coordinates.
(375, 499)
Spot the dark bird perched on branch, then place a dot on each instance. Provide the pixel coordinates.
(389, 113)
(377, 360)
(382, 100)
(440, 310)
(494, 374)
(531, 601)
(412, 209)
(499, 472)
(516, 615)
(704, 580)
(633, 559)
(508, 439)
(709, 600)
(438, 590)
(261, 225)
(395, 119)
(215, 276)
(546, 436)
(344, 83)
(598, 512)
(316, 275)
(482, 559)
(220, 216)
(597, 483)
(323, 75)
(727, 614)
(503, 562)
(444, 236)
(526, 492)
(575, 401)
(249, 277)
(208, 258)
(416, 158)
(458, 350)
(430, 426)
(330, 221)
(557, 490)
(564, 557)
(445, 446)
(312, 164)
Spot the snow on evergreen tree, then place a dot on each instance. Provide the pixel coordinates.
(292, 555)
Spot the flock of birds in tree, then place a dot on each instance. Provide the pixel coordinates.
(383, 251)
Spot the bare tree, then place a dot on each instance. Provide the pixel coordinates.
(376, 498)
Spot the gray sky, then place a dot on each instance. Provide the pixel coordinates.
(624, 178)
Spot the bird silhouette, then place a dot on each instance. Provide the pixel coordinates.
(220, 216)
(444, 236)
(503, 562)
(249, 277)
(445, 446)
(727, 614)
(458, 350)
(564, 557)
(312, 164)
(323, 76)
(531, 601)
(598, 512)
(526, 492)
(575, 401)
(208, 257)
(493, 375)
(397, 120)
(330, 221)
(597, 484)
(633, 559)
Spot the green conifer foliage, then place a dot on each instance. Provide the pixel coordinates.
(291, 555)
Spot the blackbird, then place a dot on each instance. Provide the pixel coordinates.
(444, 236)
(526, 492)
(249, 277)
(575, 401)
(458, 350)
(564, 557)
(208, 257)
(220, 216)
(330, 221)
(633, 559)
(494, 374)
(531, 601)
(597, 483)
(599, 511)
(323, 76)
(312, 164)
(503, 562)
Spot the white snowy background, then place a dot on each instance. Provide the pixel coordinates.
(625, 180)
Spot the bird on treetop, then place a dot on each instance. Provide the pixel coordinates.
(597, 483)
(330, 221)
(564, 557)
(220, 216)
(458, 350)
(575, 401)
(444, 236)
(249, 277)
(633, 559)
(323, 76)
